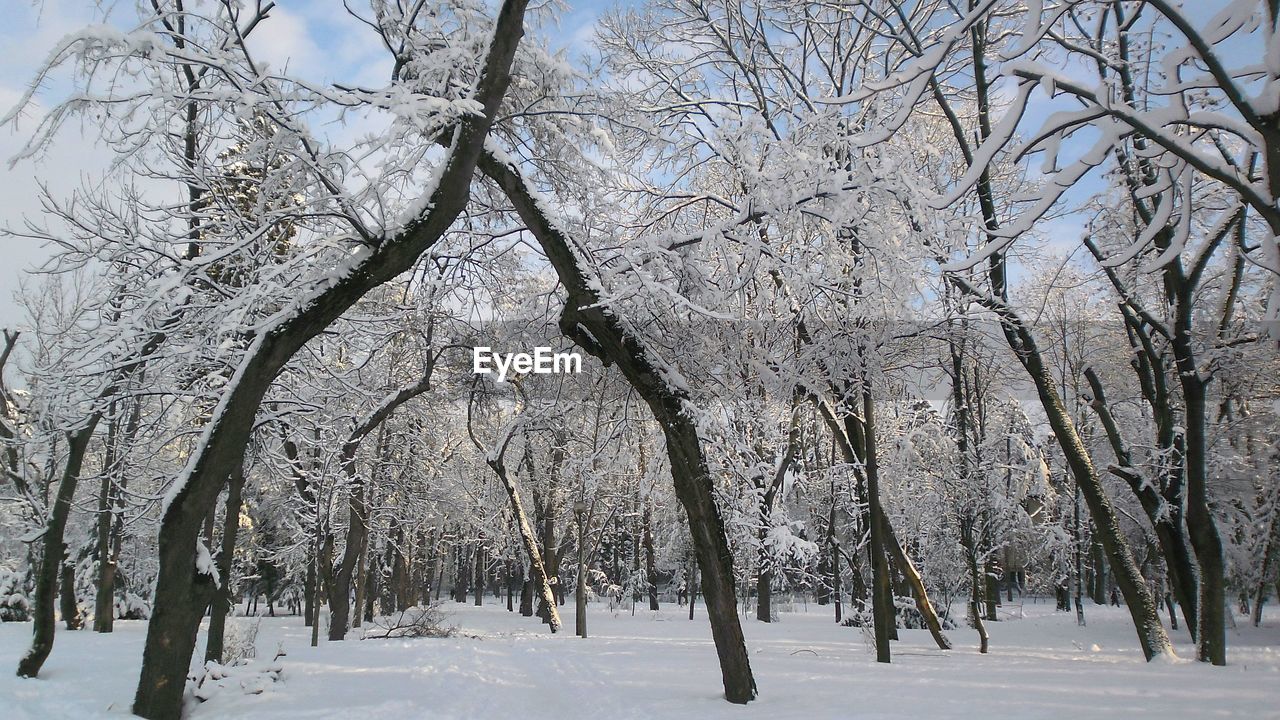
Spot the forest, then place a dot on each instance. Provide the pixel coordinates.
(761, 341)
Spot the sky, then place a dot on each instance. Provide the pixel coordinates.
(310, 38)
(306, 36)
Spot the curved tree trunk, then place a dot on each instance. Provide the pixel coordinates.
(181, 593)
(975, 585)
(1142, 606)
(601, 334)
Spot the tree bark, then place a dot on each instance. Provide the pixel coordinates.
(68, 605)
(1142, 607)
(895, 549)
(908, 569)
(600, 332)
(104, 600)
(975, 584)
(1211, 642)
(1146, 619)
(1164, 513)
(222, 598)
(54, 553)
(764, 582)
(182, 593)
(882, 595)
(357, 535)
(650, 567)
(1268, 559)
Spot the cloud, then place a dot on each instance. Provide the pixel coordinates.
(285, 43)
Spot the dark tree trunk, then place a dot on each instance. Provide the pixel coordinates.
(1268, 560)
(914, 581)
(181, 593)
(992, 588)
(1097, 571)
(1142, 607)
(348, 567)
(104, 600)
(975, 584)
(650, 567)
(600, 333)
(833, 547)
(1211, 643)
(1162, 502)
(372, 575)
(222, 598)
(54, 553)
(309, 587)
(882, 597)
(477, 585)
(526, 595)
(357, 535)
(764, 586)
(67, 595)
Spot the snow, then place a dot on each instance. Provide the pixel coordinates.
(205, 564)
(663, 665)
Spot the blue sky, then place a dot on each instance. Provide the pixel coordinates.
(316, 40)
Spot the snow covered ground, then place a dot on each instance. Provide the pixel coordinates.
(663, 666)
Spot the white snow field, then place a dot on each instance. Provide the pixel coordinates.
(663, 666)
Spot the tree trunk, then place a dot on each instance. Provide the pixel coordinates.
(1098, 571)
(834, 548)
(362, 584)
(764, 584)
(538, 570)
(222, 599)
(992, 587)
(1268, 559)
(918, 591)
(104, 600)
(693, 583)
(352, 552)
(171, 633)
(357, 536)
(1163, 507)
(715, 560)
(54, 552)
(1211, 642)
(882, 595)
(650, 567)
(1142, 607)
(975, 585)
(601, 334)
(477, 587)
(526, 595)
(67, 596)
